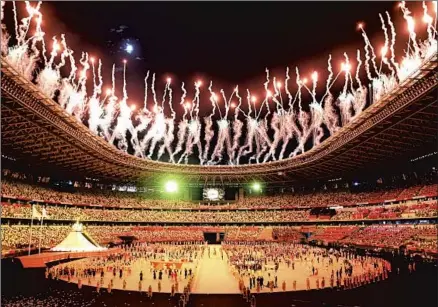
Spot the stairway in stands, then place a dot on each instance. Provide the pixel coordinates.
(266, 234)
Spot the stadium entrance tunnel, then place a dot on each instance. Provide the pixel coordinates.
(214, 237)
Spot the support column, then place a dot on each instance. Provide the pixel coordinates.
(241, 194)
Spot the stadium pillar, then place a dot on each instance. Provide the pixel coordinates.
(187, 194)
(241, 194)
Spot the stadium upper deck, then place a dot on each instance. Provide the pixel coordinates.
(38, 131)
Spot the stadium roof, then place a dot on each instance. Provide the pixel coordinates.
(37, 131)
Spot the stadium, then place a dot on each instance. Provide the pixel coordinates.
(310, 189)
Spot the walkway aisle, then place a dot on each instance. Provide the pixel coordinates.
(214, 276)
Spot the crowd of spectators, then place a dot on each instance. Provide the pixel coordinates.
(332, 233)
(107, 198)
(425, 240)
(417, 237)
(287, 234)
(85, 196)
(125, 215)
(71, 213)
(238, 234)
(392, 236)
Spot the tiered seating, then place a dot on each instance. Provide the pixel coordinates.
(382, 235)
(410, 192)
(289, 234)
(235, 234)
(426, 240)
(105, 198)
(391, 194)
(332, 233)
(429, 190)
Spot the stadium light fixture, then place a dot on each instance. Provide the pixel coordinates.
(171, 186)
(256, 186)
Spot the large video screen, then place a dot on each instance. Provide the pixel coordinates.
(213, 194)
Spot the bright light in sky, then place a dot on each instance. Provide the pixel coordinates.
(129, 48)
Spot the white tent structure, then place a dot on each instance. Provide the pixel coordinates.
(77, 241)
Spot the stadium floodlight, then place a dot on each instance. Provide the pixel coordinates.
(171, 186)
(256, 186)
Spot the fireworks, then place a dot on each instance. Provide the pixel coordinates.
(157, 132)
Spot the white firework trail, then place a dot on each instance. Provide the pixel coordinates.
(113, 119)
(431, 30)
(300, 85)
(223, 139)
(385, 48)
(168, 139)
(145, 100)
(268, 95)
(172, 111)
(411, 28)
(251, 125)
(196, 99)
(64, 54)
(4, 39)
(330, 115)
(237, 128)
(317, 119)
(277, 93)
(48, 79)
(154, 94)
(2, 10)
(209, 132)
(369, 46)
(275, 125)
(208, 135)
(17, 35)
(346, 68)
(360, 100)
(183, 102)
(359, 64)
(286, 132)
(286, 88)
(181, 136)
(392, 44)
(23, 28)
(367, 55)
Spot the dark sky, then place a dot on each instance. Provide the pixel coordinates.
(226, 41)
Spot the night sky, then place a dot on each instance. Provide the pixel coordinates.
(228, 42)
